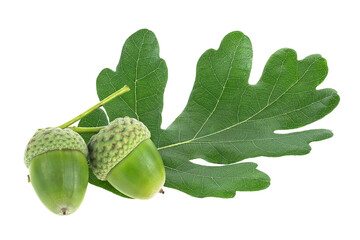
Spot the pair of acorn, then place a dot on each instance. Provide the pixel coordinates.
(121, 153)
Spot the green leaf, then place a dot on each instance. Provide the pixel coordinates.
(226, 119)
(215, 181)
(97, 119)
(141, 68)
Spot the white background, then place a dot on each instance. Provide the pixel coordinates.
(51, 54)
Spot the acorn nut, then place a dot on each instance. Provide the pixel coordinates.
(123, 154)
(59, 173)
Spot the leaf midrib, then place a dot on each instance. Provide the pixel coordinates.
(136, 75)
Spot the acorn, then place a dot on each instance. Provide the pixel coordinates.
(123, 154)
(58, 168)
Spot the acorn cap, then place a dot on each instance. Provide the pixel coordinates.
(50, 139)
(113, 143)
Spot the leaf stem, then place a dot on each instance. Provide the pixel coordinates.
(175, 144)
(101, 103)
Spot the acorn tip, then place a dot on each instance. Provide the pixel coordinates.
(64, 211)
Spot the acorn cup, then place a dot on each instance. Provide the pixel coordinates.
(58, 168)
(123, 154)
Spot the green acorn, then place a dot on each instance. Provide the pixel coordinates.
(59, 173)
(123, 154)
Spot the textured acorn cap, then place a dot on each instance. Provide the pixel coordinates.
(50, 139)
(113, 143)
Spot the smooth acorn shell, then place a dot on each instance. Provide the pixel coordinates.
(60, 179)
(141, 174)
